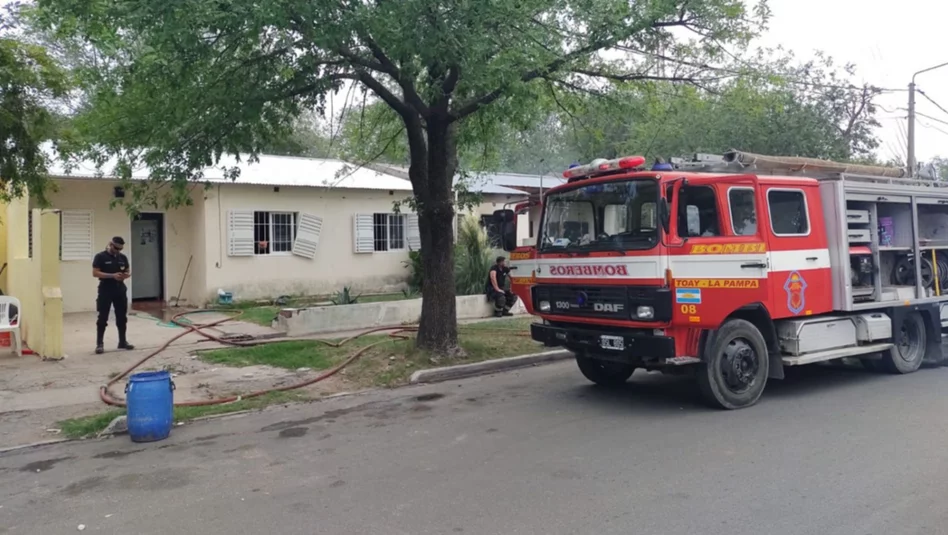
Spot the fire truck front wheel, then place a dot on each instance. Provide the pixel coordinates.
(604, 373)
(735, 366)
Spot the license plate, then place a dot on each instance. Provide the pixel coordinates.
(615, 343)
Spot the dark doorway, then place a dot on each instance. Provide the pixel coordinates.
(147, 245)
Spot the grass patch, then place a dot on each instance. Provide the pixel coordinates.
(183, 414)
(93, 425)
(391, 362)
(88, 425)
(384, 298)
(289, 355)
(262, 315)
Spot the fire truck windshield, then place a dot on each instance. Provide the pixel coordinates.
(605, 216)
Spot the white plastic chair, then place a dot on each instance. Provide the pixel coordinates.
(11, 324)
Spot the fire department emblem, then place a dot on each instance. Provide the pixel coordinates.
(796, 292)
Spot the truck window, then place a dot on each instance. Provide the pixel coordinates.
(615, 219)
(698, 212)
(788, 215)
(649, 219)
(743, 211)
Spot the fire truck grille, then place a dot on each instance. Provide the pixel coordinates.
(590, 301)
(608, 302)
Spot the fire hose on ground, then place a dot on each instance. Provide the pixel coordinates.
(399, 333)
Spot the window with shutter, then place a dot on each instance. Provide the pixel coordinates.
(240, 232)
(76, 232)
(274, 232)
(307, 235)
(363, 233)
(414, 233)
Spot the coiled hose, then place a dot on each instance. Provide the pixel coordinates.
(189, 327)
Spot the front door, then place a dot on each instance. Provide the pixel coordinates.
(146, 258)
(723, 263)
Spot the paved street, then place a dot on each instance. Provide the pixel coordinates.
(533, 452)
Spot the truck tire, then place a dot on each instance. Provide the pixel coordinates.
(911, 343)
(604, 373)
(735, 366)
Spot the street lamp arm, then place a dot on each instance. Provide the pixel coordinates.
(928, 69)
(911, 119)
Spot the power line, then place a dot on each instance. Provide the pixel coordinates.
(928, 98)
(756, 69)
(929, 117)
(933, 128)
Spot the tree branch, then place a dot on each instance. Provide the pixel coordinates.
(407, 85)
(383, 93)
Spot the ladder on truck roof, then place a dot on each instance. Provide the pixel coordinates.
(855, 176)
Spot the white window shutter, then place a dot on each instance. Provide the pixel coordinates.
(240, 233)
(307, 235)
(414, 233)
(76, 234)
(363, 233)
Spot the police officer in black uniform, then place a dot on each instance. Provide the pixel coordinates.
(111, 267)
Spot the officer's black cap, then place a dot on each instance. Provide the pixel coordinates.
(117, 240)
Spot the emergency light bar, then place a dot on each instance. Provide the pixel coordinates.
(602, 166)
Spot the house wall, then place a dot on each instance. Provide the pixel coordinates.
(78, 286)
(492, 202)
(199, 232)
(34, 282)
(336, 264)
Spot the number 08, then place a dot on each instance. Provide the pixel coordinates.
(689, 309)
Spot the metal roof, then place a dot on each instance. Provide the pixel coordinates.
(268, 171)
(483, 184)
(490, 183)
(519, 180)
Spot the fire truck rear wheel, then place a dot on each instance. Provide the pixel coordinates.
(911, 343)
(735, 366)
(604, 373)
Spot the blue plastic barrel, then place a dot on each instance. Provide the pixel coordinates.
(150, 400)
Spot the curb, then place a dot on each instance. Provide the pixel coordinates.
(435, 375)
(35, 445)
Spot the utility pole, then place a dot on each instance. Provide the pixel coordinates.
(911, 119)
(911, 129)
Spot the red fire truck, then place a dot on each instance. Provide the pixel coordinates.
(735, 267)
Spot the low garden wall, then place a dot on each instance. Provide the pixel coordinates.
(337, 318)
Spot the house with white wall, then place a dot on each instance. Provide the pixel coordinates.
(501, 191)
(285, 226)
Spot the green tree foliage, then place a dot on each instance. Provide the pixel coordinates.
(30, 83)
(771, 106)
(187, 81)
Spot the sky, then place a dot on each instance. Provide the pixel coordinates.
(888, 42)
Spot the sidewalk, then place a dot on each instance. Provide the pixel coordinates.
(34, 394)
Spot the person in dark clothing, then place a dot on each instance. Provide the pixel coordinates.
(496, 288)
(112, 268)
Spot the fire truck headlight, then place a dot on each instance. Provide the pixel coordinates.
(645, 313)
(544, 306)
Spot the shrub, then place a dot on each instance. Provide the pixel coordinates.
(345, 297)
(416, 277)
(473, 258)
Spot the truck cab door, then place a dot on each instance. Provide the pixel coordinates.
(723, 263)
(800, 276)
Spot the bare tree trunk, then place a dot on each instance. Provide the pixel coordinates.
(432, 174)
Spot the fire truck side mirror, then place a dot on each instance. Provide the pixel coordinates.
(506, 223)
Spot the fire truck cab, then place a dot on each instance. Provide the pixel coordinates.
(733, 268)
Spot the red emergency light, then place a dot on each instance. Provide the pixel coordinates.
(602, 166)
